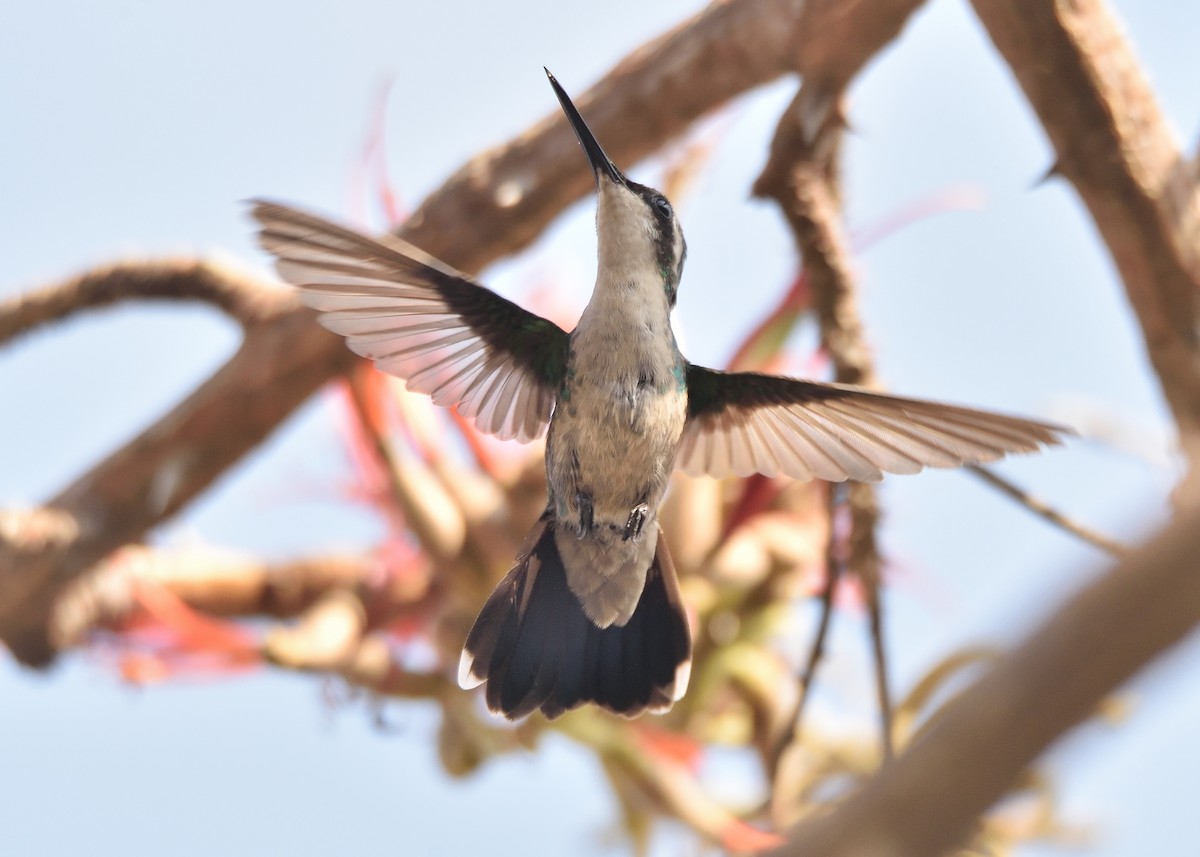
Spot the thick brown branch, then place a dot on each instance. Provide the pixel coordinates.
(170, 463)
(244, 299)
(801, 176)
(1115, 146)
(927, 801)
(493, 206)
(510, 194)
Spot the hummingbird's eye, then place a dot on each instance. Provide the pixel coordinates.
(664, 207)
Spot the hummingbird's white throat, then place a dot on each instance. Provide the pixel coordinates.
(627, 232)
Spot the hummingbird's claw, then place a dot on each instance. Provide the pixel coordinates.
(586, 513)
(637, 519)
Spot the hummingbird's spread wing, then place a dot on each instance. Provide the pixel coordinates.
(741, 423)
(422, 321)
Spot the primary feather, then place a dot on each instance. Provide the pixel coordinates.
(422, 321)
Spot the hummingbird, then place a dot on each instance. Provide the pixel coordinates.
(591, 610)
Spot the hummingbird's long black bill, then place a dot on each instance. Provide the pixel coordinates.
(601, 165)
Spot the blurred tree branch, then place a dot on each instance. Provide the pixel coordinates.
(978, 745)
(501, 200)
(219, 584)
(242, 298)
(1114, 145)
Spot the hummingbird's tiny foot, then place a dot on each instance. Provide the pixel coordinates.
(586, 513)
(637, 519)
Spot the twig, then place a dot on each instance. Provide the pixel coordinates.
(835, 567)
(802, 177)
(864, 559)
(239, 296)
(501, 200)
(883, 693)
(927, 801)
(1048, 513)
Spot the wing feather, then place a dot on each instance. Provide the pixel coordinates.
(422, 321)
(744, 422)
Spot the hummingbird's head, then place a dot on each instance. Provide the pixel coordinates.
(638, 232)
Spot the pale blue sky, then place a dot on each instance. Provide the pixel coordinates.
(136, 128)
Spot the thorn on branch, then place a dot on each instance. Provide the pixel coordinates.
(1116, 147)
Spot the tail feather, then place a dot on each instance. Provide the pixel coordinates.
(535, 647)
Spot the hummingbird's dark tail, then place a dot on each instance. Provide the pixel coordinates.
(536, 648)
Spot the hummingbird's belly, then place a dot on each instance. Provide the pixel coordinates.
(614, 452)
(608, 461)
